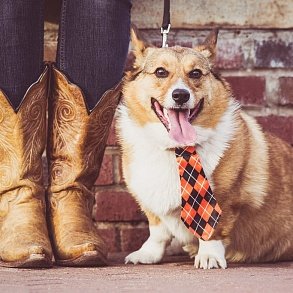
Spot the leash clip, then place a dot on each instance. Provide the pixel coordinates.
(164, 33)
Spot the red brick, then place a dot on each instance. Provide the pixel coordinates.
(121, 172)
(133, 238)
(112, 135)
(274, 53)
(286, 91)
(106, 176)
(230, 56)
(111, 238)
(279, 125)
(178, 42)
(249, 90)
(117, 206)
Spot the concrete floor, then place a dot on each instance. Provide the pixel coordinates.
(175, 274)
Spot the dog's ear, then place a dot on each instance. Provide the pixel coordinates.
(208, 48)
(137, 43)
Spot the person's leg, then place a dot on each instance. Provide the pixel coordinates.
(24, 240)
(21, 46)
(93, 44)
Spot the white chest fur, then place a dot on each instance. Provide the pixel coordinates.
(153, 171)
(155, 179)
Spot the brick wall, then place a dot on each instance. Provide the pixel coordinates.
(255, 54)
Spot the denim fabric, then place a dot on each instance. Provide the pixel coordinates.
(93, 44)
(92, 47)
(21, 46)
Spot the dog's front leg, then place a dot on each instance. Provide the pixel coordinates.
(211, 254)
(152, 251)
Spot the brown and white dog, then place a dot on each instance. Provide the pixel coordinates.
(173, 98)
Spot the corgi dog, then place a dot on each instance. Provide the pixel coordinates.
(173, 98)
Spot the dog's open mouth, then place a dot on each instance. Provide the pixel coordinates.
(178, 121)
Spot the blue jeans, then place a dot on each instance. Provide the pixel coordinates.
(92, 45)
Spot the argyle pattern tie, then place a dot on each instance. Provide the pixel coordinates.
(200, 211)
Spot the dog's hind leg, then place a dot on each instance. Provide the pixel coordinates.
(152, 251)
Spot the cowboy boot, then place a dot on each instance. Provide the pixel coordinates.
(76, 145)
(24, 240)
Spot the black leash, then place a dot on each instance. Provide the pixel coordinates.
(166, 25)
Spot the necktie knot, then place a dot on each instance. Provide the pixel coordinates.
(185, 152)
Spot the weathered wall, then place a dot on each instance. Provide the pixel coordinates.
(208, 13)
(255, 54)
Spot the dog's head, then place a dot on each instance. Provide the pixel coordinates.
(176, 88)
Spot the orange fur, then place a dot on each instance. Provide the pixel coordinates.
(253, 179)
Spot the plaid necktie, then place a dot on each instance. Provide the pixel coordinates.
(200, 211)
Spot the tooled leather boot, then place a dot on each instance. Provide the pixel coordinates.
(76, 145)
(24, 240)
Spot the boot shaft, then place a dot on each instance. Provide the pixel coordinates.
(76, 137)
(23, 136)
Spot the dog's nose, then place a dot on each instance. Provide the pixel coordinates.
(180, 96)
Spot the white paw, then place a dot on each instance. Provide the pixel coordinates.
(209, 262)
(142, 256)
(211, 254)
(152, 251)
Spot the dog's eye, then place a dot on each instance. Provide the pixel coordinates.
(196, 73)
(161, 72)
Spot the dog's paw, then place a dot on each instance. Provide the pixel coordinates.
(211, 254)
(142, 256)
(205, 261)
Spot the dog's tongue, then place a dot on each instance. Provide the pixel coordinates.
(181, 130)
